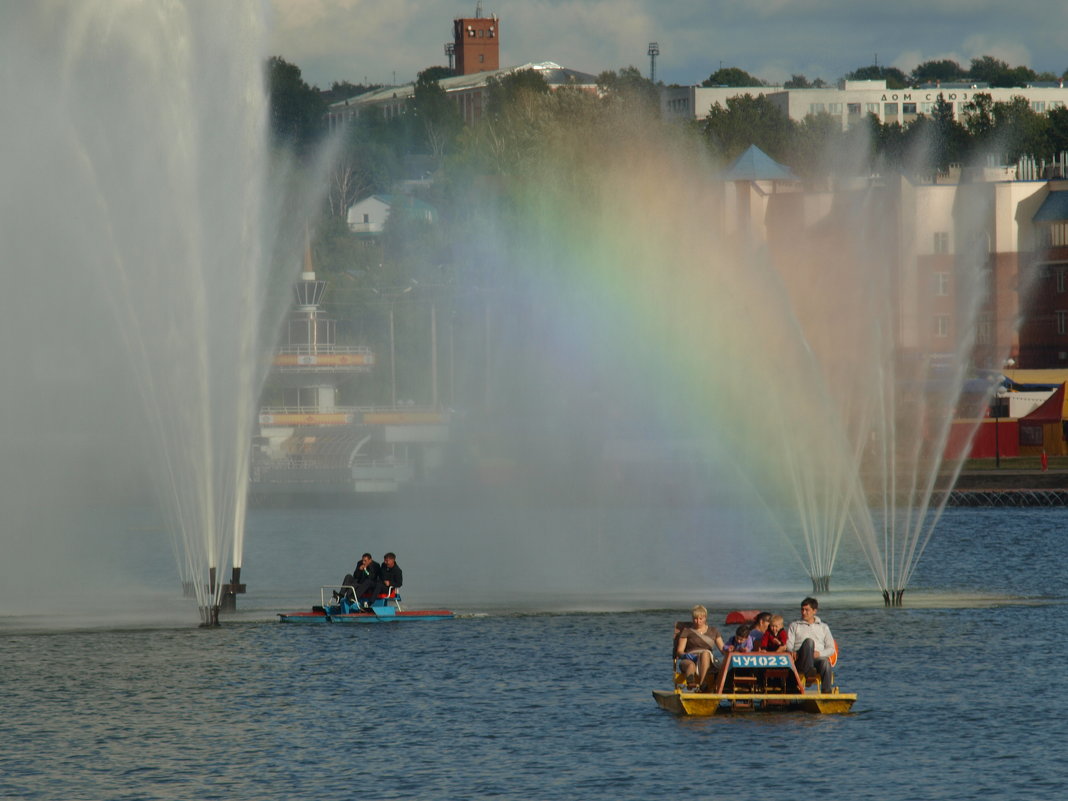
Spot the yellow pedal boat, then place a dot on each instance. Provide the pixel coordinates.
(756, 681)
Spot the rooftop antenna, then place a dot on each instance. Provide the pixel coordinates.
(450, 51)
(654, 51)
(478, 10)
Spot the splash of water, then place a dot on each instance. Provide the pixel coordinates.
(789, 361)
(135, 206)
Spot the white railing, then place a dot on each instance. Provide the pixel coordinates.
(311, 350)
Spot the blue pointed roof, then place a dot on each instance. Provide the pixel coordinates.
(1053, 209)
(756, 165)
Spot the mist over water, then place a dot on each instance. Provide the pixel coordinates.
(135, 212)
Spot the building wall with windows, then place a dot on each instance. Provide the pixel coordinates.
(852, 101)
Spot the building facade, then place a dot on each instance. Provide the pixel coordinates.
(476, 44)
(852, 101)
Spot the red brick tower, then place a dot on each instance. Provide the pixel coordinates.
(477, 43)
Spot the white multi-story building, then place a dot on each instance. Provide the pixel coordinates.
(852, 101)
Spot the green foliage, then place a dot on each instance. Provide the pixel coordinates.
(998, 73)
(435, 116)
(895, 78)
(437, 73)
(509, 89)
(942, 70)
(732, 76)
(296, 109)
(343, 90)
(745, 121)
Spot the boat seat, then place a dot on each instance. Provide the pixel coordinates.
(743, 684)
(775, 680)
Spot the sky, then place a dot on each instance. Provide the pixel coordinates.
(390, 41)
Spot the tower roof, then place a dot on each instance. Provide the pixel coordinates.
(756, 165)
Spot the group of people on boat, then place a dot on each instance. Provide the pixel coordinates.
(369, 580)
(808, 639)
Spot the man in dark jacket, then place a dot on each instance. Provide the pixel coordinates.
(390, 576)
(364, 578)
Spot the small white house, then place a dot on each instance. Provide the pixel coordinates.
(368, 216)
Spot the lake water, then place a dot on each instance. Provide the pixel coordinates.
(542, 695)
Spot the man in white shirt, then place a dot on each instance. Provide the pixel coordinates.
(809, 640)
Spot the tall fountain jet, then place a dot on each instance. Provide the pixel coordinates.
(135, 164)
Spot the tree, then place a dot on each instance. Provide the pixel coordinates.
(1020, 131)
(1057, 133)
(797, 82)
(979, 117)
(731, 76)
(942, 70)
(950, 137)
(509, 88)
(895, 78)
(296, 109)
(998, 73)
(343, 90)
(815, 147)
(745, 121)
(435, 114)
(628, 90)
(437, 73)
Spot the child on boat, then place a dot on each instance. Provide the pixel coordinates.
(741, 641)
(774, 638)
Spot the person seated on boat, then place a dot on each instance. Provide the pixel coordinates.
(390, 575)
(774, 638)
(741, 641)
(760, 626)
(809, 640)
(363, 579)
(695, 656)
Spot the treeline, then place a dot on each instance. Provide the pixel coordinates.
(988, 70)
(523, 119)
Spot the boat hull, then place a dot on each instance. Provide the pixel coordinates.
(681, 702)
(372, 616)
(388, 615)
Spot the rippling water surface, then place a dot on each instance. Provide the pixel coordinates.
(959, 695)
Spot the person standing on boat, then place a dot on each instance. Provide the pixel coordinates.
(809, 640)
(390, 576)
(694, 647)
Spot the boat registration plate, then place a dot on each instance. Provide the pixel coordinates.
(760, 661)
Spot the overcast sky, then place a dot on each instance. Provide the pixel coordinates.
(377, 40)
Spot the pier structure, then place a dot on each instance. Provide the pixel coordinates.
(309, 442)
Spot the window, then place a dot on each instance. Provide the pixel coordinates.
(1062, 322)
(367, 218)
(941, 284)
(872, 108)
(908, 108)
(853, 108)
(927, 108)
(1038, 107)
(984, 330)
(890, 109)
(941, 242)
(816, 108)
(1059, 275)
(1052, 235)
(942, 325)
(1030, 435)
(835, 108)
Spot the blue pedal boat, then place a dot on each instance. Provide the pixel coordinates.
(383, 609)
